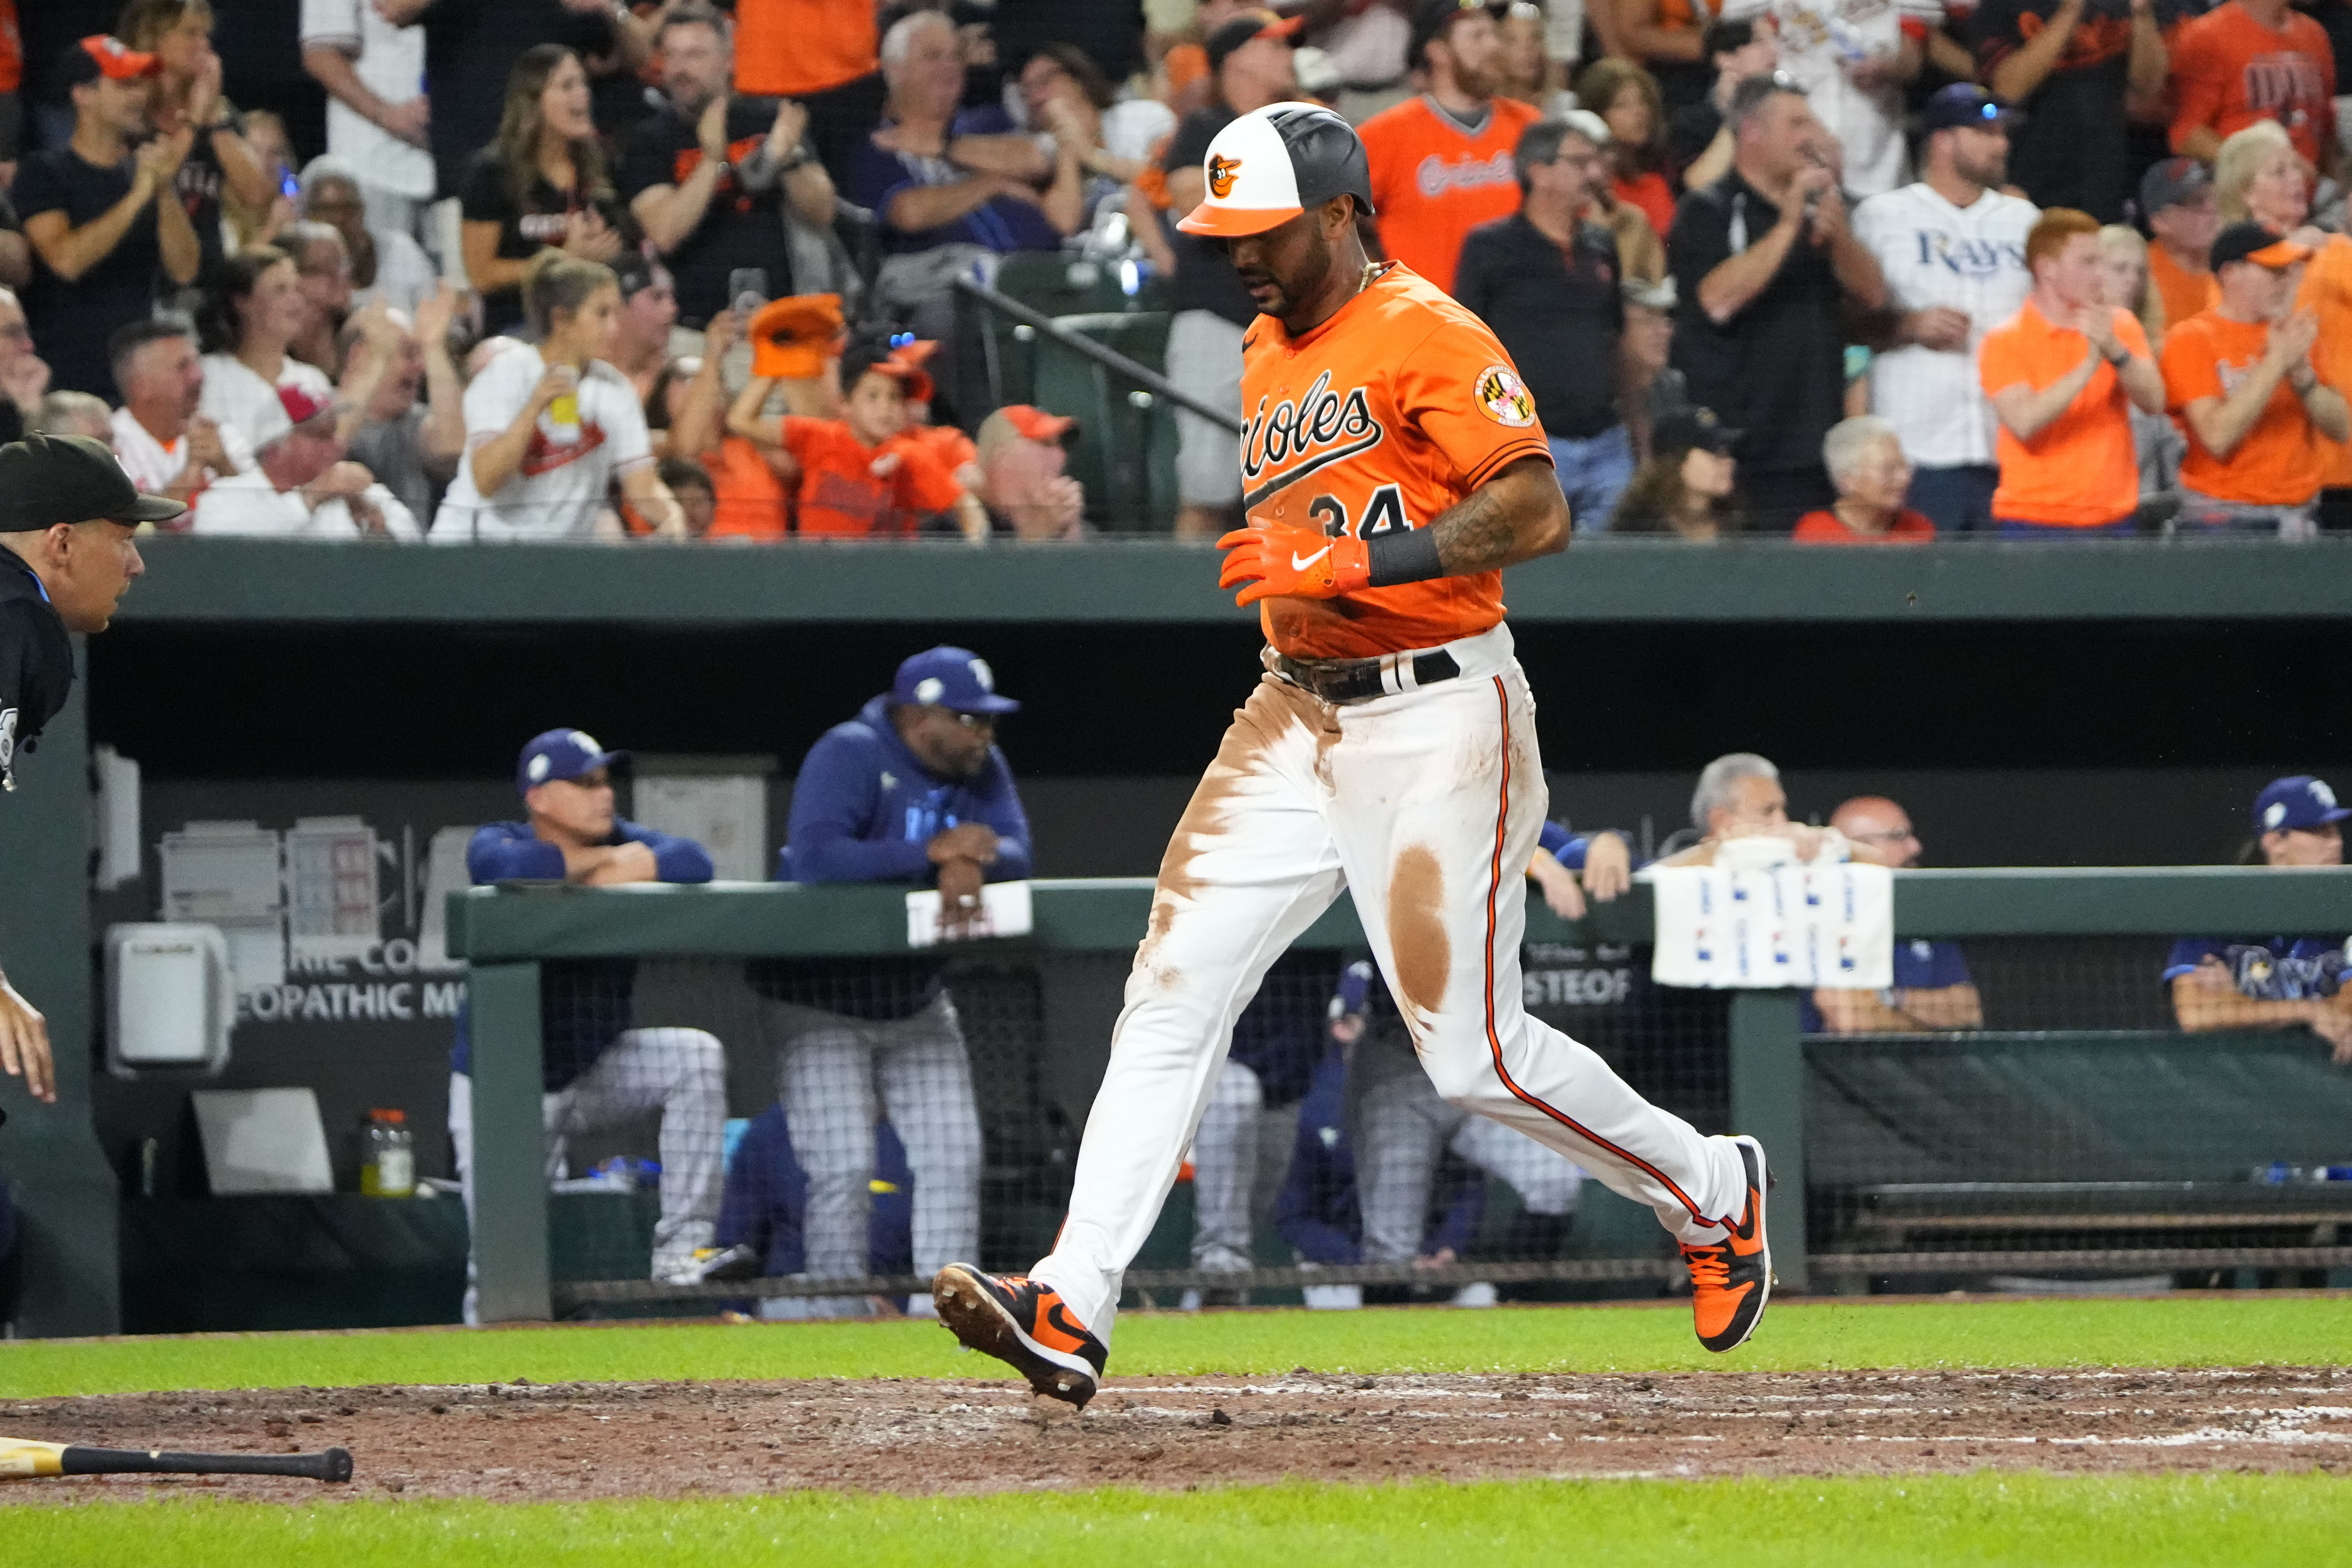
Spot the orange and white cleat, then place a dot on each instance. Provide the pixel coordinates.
(1025, 1325)
(1731, 1279)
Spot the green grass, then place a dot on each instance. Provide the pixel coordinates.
(2034, 1521)
(2201, 1331)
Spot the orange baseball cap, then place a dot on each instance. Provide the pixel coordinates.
(99, 55)
(791, 337)
(1036, 424)
(907, 362)
(2263, 247)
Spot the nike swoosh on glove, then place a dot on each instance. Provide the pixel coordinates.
(1283, 561)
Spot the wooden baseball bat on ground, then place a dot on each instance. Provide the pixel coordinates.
(18, 1458)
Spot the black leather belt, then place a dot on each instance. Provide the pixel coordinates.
(1358, 680)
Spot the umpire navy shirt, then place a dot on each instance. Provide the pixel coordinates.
(865, 810)
(583, 1003)
(36, 667)
(1558, 312)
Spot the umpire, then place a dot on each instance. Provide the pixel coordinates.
(67, 512)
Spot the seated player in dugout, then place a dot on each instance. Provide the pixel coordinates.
(861, 476)
(2276, 981)
(597, 1070)
(1932, 988)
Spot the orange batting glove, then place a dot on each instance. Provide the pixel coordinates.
(1283, 561)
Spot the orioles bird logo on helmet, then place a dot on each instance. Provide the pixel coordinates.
(1221, 171)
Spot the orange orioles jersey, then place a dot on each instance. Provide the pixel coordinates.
(1382, 417)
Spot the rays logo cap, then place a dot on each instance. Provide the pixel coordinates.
(1270, 166)
(2298, 801)
(562, 754)
(955, 679)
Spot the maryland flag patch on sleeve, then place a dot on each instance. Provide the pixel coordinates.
(1503, 397)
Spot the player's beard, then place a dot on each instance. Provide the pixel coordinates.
(1292, 293)
(1989, 170)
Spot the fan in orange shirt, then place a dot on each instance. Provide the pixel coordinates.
(1864, 458)
(954, 448)
(2175, 198)
(2260, 177)
(859, 474)
(2060, 374)
(2243, 379)
(1441, 162)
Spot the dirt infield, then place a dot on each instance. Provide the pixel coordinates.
(522, 1441)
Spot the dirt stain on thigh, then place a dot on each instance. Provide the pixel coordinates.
(1423, 954)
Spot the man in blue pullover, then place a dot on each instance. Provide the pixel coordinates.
(598, 1071)
(913, 791)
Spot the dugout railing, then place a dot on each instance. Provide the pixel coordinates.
(2072, 1134)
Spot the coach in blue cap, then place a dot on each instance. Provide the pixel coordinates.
(596, 1070)
(2279, 981)
(912, 791)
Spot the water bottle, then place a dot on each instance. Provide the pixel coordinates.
(387, 1156)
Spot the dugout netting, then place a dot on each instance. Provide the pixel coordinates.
(863, 1113)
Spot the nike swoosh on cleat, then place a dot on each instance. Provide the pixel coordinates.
(1298, 565)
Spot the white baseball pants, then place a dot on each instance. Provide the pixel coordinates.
(828, 1069)
(681, 1073)
(1426, 803)
(1404, 1126)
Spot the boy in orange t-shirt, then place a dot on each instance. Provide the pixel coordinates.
(2243, 381)
(1434, 178)
(860, 476)
(2060, 374)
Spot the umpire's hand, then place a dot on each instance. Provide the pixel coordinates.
(25, 1045)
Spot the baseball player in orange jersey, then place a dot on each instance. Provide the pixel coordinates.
(1391, 467)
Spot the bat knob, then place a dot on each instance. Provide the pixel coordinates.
(339, 1465)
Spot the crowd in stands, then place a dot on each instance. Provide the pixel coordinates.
(1849, 273)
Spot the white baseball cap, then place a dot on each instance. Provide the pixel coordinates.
(1270, 166)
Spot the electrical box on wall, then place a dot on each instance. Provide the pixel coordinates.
(171, 999)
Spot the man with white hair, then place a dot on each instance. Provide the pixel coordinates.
(162, 440)
(385, 263)
(1864, 458)
(952, 187)
(304, 487)
(1740, 796)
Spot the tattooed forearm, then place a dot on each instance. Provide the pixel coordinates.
(1516, 516)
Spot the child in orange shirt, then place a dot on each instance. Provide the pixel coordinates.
(860, 476)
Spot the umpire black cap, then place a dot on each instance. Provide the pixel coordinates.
(1270, 166)
(48, 479)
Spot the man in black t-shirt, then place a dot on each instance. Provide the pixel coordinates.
(707, 175)
(2068, 66)
(1249, 63)
(1547, 282)
(101, 242)
(1763, 265)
